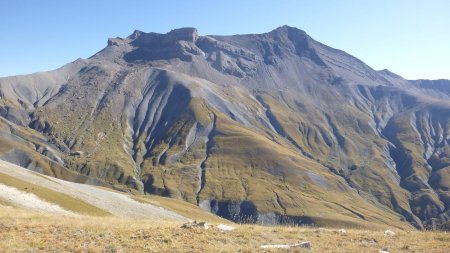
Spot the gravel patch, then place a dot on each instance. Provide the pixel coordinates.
(29, 201)
(115, 203)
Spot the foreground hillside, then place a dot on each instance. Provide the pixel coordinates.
(43, 214)
(25, 231)
(28, 190)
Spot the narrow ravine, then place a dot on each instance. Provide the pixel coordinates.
(202, 170)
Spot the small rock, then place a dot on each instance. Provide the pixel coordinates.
(303, 245)
(384, 251)
(195, 224)
(389, 233)
(319, 230)
(368, 242)
(225, 228)
(77, 153)
(342, 231)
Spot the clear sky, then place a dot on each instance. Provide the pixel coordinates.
(409, 37)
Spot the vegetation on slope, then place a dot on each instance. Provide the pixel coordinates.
(33, 232)
(184, 208)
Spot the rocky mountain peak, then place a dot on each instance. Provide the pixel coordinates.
(288, 32)
(135, 34)
(178, 43)
(189, 34)
(286, 28)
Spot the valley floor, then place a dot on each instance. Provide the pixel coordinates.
(27, 231)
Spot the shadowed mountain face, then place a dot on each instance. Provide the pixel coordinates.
(267, 128)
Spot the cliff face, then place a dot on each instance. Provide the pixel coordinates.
(269, 128)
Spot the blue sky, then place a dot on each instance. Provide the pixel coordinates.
(409, 37)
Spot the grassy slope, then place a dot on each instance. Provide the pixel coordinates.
(181, 207)
(236, 171)
(4, 203)
(32, 138)
(65, 201)
(360, 148)
(27, 231)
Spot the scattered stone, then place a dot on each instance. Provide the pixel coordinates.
(77, 153)
(369, 242)
(195, 224)
(319, 230)
(302, 245)
(225, 228)
(389, 233)
(384, 251)
(342, 231)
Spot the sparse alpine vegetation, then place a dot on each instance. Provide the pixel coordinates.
(24, 231)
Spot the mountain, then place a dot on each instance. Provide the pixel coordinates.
(267, 128)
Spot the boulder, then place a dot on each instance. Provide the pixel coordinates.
(389, 233)
(225, 228)
(195, 224)
(342, 231)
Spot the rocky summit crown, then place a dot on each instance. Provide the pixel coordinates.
(272, 128)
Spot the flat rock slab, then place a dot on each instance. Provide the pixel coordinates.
(303, 245)
(225, 228)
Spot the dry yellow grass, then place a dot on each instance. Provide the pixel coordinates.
(24, 231)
